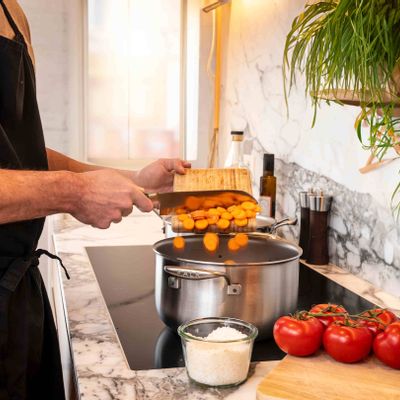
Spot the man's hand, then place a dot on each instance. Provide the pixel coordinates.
(159, 175)
(106, 196)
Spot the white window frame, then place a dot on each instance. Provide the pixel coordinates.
(189, 96)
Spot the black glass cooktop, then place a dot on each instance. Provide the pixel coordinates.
(126, 278)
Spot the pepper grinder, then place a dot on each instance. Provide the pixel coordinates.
(304, 222)
(318, 252)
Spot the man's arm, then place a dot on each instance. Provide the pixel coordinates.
(60, 162)
(94, 195)
(155, 177)
(97, 198)
(30, 194)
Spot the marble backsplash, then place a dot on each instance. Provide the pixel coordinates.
(364, 237)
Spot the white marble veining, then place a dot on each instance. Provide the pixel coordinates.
(364, 235)
(101, 367)
(102, 370)
(253, 99)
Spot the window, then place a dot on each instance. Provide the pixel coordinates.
(142, 71)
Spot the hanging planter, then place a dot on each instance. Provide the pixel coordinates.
(349, 52)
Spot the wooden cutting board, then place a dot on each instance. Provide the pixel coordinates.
(213, 179)
(320, 377)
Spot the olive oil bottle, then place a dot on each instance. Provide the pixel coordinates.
(268, 187)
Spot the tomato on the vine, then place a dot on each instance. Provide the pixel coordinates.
(328, 309)
(299, 335)
(347, 342)
(387, 345)
(378, 319)
(374, 327)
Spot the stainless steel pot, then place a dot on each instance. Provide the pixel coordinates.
(259, 287)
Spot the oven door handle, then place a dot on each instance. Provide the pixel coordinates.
(195, 274)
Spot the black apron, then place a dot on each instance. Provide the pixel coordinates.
(30, 365)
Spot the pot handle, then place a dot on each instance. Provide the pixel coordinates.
(271, 230)
(283, 222)
(195, 274)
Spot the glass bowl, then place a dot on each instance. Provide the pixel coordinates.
(217, 362)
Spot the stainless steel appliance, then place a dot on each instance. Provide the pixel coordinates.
(257, 283)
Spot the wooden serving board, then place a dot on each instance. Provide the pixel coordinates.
(320, 377)
(213, 179)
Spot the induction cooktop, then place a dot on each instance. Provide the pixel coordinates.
(126, 278)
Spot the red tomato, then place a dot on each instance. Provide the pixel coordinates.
(382, 318)
(347, 343)
(387, 345)
(298, 337)
(328, 309)
(373, 326)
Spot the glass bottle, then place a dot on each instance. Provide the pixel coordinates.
(268, 187)
(235, 153)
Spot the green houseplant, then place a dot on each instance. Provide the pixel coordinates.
(349, 51)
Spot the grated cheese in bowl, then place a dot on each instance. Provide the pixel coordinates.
(225, 333)
(222, 357)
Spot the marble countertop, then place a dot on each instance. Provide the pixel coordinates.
(101, 367)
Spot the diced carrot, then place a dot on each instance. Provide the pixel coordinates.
(239, 214)
(233, 245)
(211, 241)
(201, 224)
(242, 239)
(178, 242)
(223, 223)
(221, 210)
(193, 203)
(228, 199)
(231, 208)
(250, 214)
(210, 203)
(213, 219)
(212, 211)
(248, 205)
(188, 224)
(198, 214)
(182, 217)
(241, 222)
(227, 215)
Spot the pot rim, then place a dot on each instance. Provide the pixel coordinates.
(241, 264)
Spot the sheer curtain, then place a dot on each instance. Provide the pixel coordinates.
(134, 61)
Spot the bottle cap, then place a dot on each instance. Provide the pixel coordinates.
(269, 163)
(237, 136)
